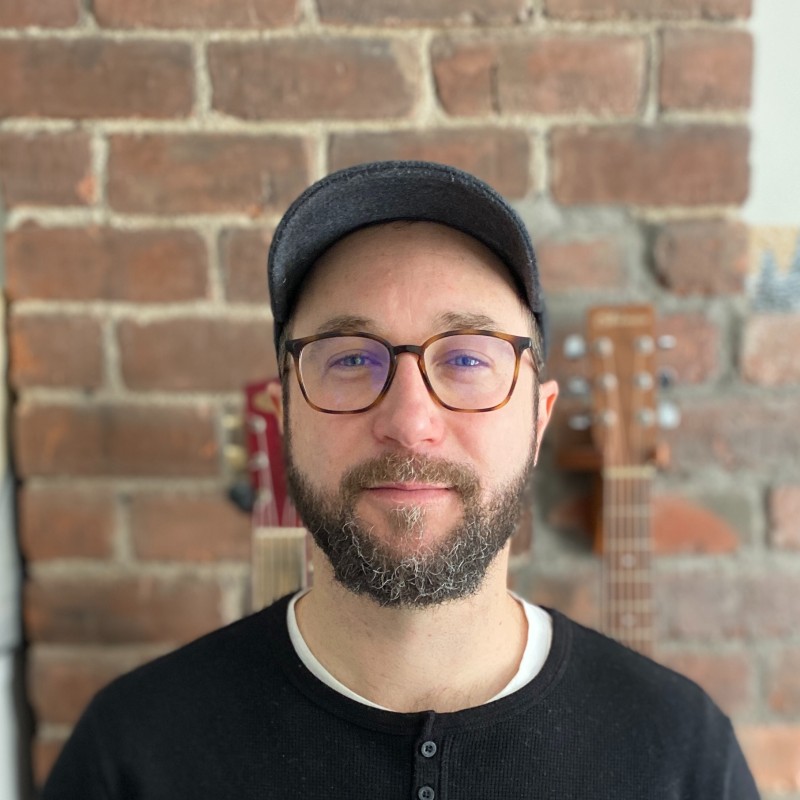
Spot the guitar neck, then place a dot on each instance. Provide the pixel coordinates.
(627, 586)
(281, 546)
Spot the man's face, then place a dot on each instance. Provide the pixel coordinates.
(410, 501)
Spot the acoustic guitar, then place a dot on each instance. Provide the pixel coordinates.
(623, 426)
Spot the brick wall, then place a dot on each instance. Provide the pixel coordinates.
(146, 153)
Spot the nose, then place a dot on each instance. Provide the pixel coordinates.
(408, 415)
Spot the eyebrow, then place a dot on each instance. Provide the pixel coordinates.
(447, 320)
(347, 323)
(454, 319)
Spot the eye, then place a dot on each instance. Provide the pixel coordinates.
(464, 360)
(354, 359)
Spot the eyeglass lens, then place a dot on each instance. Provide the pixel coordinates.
(465, 371)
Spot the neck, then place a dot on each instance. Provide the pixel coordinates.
(448, 657)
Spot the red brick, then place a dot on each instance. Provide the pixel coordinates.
(500, 157)
(421, 12)
(42, 14)
(784, 514)
(114, 440)
(706, 69)
(205, 173)
(580, 265)
(55, 350)
(60, 522)
(116, 610)
(61, 684)
(675, 165)
(696, 355)
(189, 527)
(88, 78)
(675, 9)
(783, 683)
(702, 257)
(105, 264)
(772, 604)
(46, 169)
(43, 755)
(196, 354)
(773, 754)
(682, 526)
(769, 357)
(736, 432)
(575, 595)
(727, 677)
(698, 604)
(466, 74)
(321, 78)
(194, 14)
(543, 75)
(243, 256)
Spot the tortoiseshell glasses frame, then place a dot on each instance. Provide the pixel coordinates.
(519, 344)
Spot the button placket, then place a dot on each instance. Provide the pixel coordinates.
(426, 764)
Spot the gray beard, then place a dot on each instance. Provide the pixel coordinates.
(453, 568)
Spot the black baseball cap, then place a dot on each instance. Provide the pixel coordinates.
(386, 191)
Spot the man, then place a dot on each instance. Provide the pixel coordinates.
(410, 323)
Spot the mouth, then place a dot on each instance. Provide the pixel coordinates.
(409, 493)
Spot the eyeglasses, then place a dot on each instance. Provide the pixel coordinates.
(464, 370)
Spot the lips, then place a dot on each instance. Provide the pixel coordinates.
(409, 492)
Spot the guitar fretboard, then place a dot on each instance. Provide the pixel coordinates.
(627, 599)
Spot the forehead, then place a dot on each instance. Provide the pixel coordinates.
(408, 268)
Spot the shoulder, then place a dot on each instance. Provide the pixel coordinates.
(209, 668)
(608, 674)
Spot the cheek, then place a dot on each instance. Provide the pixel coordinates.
(498, 443)
(320, 443)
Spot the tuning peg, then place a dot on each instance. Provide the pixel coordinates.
(242, 495)
(667, 377)
(580, 422)
(256, 423)
(232, 422)
(666, 342)
(235, 457)
(669, 415)
(645, 344)
(647, 418)
(574, 346)
(643, 380)
(578, 386)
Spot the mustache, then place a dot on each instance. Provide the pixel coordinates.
(395, 467)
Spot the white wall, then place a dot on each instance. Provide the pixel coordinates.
(775, 119)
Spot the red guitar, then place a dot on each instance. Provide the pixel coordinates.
(280, 562)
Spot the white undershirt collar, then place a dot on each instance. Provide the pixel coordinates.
(537, 647)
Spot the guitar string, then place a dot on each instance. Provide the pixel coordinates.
(626, 605)
(641, 587)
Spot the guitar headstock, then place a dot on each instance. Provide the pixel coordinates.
(265, 457)
(621, 348)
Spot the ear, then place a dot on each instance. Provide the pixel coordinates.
(548, 393)
(274, 392)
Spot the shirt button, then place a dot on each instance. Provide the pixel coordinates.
(428, 749)
(426, 793)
